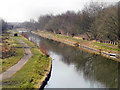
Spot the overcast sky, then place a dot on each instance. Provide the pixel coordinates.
(23, 10)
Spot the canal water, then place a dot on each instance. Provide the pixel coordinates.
(74, 68)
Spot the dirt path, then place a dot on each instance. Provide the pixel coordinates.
(12, 70)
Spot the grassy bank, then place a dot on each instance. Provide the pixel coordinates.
(105, 47)
(10, 61)
(33, 72)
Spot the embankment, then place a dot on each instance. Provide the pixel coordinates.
(80, 46)
(34, 73)
(47, 75)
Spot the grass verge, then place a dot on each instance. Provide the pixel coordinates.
(92, 44)
(32, 73)
(19, 52)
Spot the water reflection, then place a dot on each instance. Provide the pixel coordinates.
(78, 67)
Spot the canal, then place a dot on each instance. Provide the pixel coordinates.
(74, 68)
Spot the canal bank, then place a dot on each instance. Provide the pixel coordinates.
(46, 78)
(79, 46)
(47, 75)
(33, 73)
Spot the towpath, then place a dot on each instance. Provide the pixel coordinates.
(12, 70)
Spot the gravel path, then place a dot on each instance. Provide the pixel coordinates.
(12, 70)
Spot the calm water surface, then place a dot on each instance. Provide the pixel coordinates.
(74, 68)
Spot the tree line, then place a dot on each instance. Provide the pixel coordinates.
(97, 21)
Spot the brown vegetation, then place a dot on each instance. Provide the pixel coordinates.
(6, 48)
(43, 49)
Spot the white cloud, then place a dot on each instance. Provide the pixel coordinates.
(21, 10)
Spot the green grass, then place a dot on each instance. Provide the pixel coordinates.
(61, 36)
(100, 45)
(8, 62)
(32, 72)
(107, 46)
(67, 37)
(95, 45)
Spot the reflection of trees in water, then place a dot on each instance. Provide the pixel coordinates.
(94, 67)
